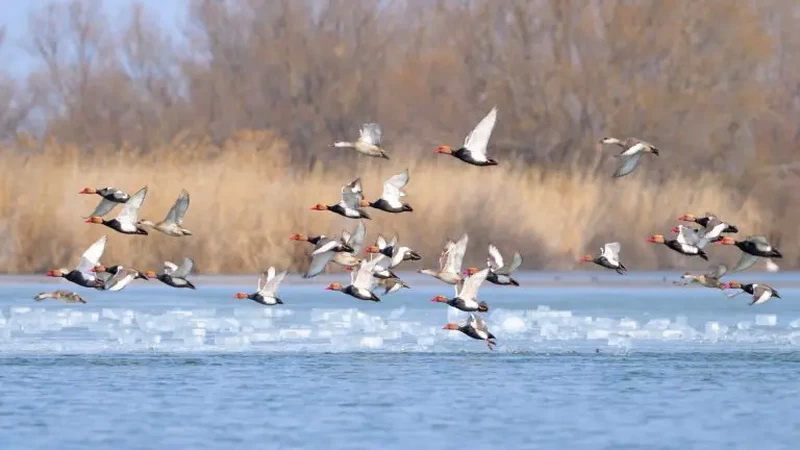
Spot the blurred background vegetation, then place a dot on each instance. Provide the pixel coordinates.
(239, 104)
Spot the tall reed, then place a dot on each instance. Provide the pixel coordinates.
(246, 199)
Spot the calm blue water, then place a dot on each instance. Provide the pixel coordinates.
(595, 365)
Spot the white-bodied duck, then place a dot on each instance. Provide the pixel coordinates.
(450, 261)
(368, 143)
(632, 151)
(172, 225)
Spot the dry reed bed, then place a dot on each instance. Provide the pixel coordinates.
(246, 200)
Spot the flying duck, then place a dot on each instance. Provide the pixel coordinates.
(368, 143)
(752, 248)
(609, 258)
(350, 204)
(127, 221)
(632, 151)
(712, 225)
(64, 296)
(680, 247)
(499, 271)
(341, 252)
(466, 298)
(115, 278)
(82, 274)
(761, 292)
(391, 285)
(172, 225)
(173, 275)
(268, 284)
(450, 261)
(396, 253)
(111, 197)
(709, 280)
(392, 193)
(474, 149)
(361, 283)
(475, 328)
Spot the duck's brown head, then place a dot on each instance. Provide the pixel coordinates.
(687, 218)
(150, 274)
(656, 239)
(241, 295)
(319, 207)
(373, 249)
(94, 219)
(57, 272)
(443, 149)
(450, 326)
(439, 299)
(471, 271)
(334, 287)
(732, 285)
(88, 190)
(675, 230)
(298, 237)
(586, 258)
(98, 268)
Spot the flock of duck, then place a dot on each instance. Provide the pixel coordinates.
(377, 270)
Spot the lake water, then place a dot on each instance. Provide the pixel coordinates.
(583, 361)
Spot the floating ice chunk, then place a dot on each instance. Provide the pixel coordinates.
(713, 328)
(672, 334)
(231, 340)
(795, 323)
(628, 324)
(766, 320)
(17, 310)
(294, 333)
(397, 313)
(426, 341)
(514, 324)
(657, 324)
(597, 333)
(371, 342)
(619, 341)
(549, 330)
(744, 325)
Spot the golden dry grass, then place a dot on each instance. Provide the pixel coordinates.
(246, 200)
